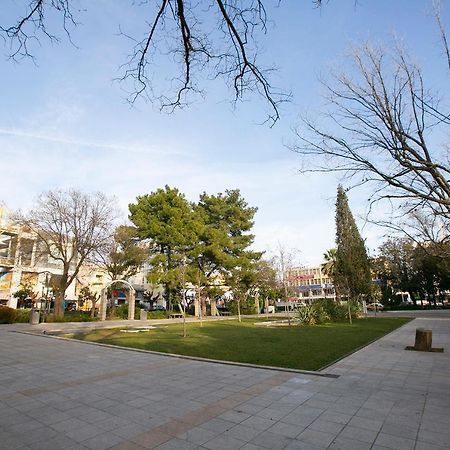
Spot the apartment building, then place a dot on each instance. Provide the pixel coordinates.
(22, 262)
(309, 283)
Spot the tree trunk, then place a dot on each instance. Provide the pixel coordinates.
(203, 306)
(423, 340)
(59, 305)
(239, 310)
(349, 311)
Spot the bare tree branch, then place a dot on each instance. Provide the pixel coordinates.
(381, 123)
(178, 33)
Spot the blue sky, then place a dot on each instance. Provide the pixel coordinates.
(65, 123)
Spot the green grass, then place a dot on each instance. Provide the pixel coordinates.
(296, 347)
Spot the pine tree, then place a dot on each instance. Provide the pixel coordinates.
(352, 267)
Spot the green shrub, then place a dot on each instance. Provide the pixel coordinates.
(335, 310)
(121, 313)
(355, 308)
(156, 315)
(7, 315)
(22, 315)
(306, 315)
(326, 310)
(247, 306)
(71, 316)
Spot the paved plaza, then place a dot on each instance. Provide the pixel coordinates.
(59, 394)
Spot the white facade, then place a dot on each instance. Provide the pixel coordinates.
(22, 262)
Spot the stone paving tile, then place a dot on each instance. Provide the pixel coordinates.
(367, 424)
(67, 425)
(302, 445)
(57, 443)
(403, 431)
(177, 444)
(103, 441)
(285, 429)
(359, 434)
(394, 442)
(258, 423)
(234, 416)
(83, 433)
(271, 441)
(128, 430)
(127, 446)
(336, 417)
(244, 433)
(298, 419)
(318, 438)
(151, 439)
(327, 426)
(427, 446)
(218, 425)
(274, 412)
(433, 437)
(344, 443)
(224, 442)
(199, 435)
(151, 400)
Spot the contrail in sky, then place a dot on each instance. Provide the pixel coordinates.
(74, 142)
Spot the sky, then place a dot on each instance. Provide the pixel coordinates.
(65, 122)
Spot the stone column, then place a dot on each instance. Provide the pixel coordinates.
(131, 301)
(103, 305)
(214, 307)
(258, 310)
(196, 307)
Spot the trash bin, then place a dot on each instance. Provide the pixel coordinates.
(34, 319)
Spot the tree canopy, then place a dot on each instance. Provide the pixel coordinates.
(198, 242)
(165, 219)
(405, 266)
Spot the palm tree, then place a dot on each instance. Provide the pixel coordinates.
(329, 265)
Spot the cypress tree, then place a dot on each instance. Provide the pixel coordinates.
(352, 268)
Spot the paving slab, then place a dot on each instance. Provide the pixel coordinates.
(59, 394)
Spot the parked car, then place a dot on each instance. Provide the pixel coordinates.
(376, 306)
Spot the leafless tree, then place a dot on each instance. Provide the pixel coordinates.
(424, 228)
(284, 263)
(383, 129)
(71, 227)
(217, 37)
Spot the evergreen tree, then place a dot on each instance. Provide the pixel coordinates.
(352, 267)
(225, 234)
(198, 243)
(166, 219)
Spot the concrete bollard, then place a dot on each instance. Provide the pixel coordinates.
(143, 314)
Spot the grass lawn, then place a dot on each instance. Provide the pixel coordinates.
(298, 347)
